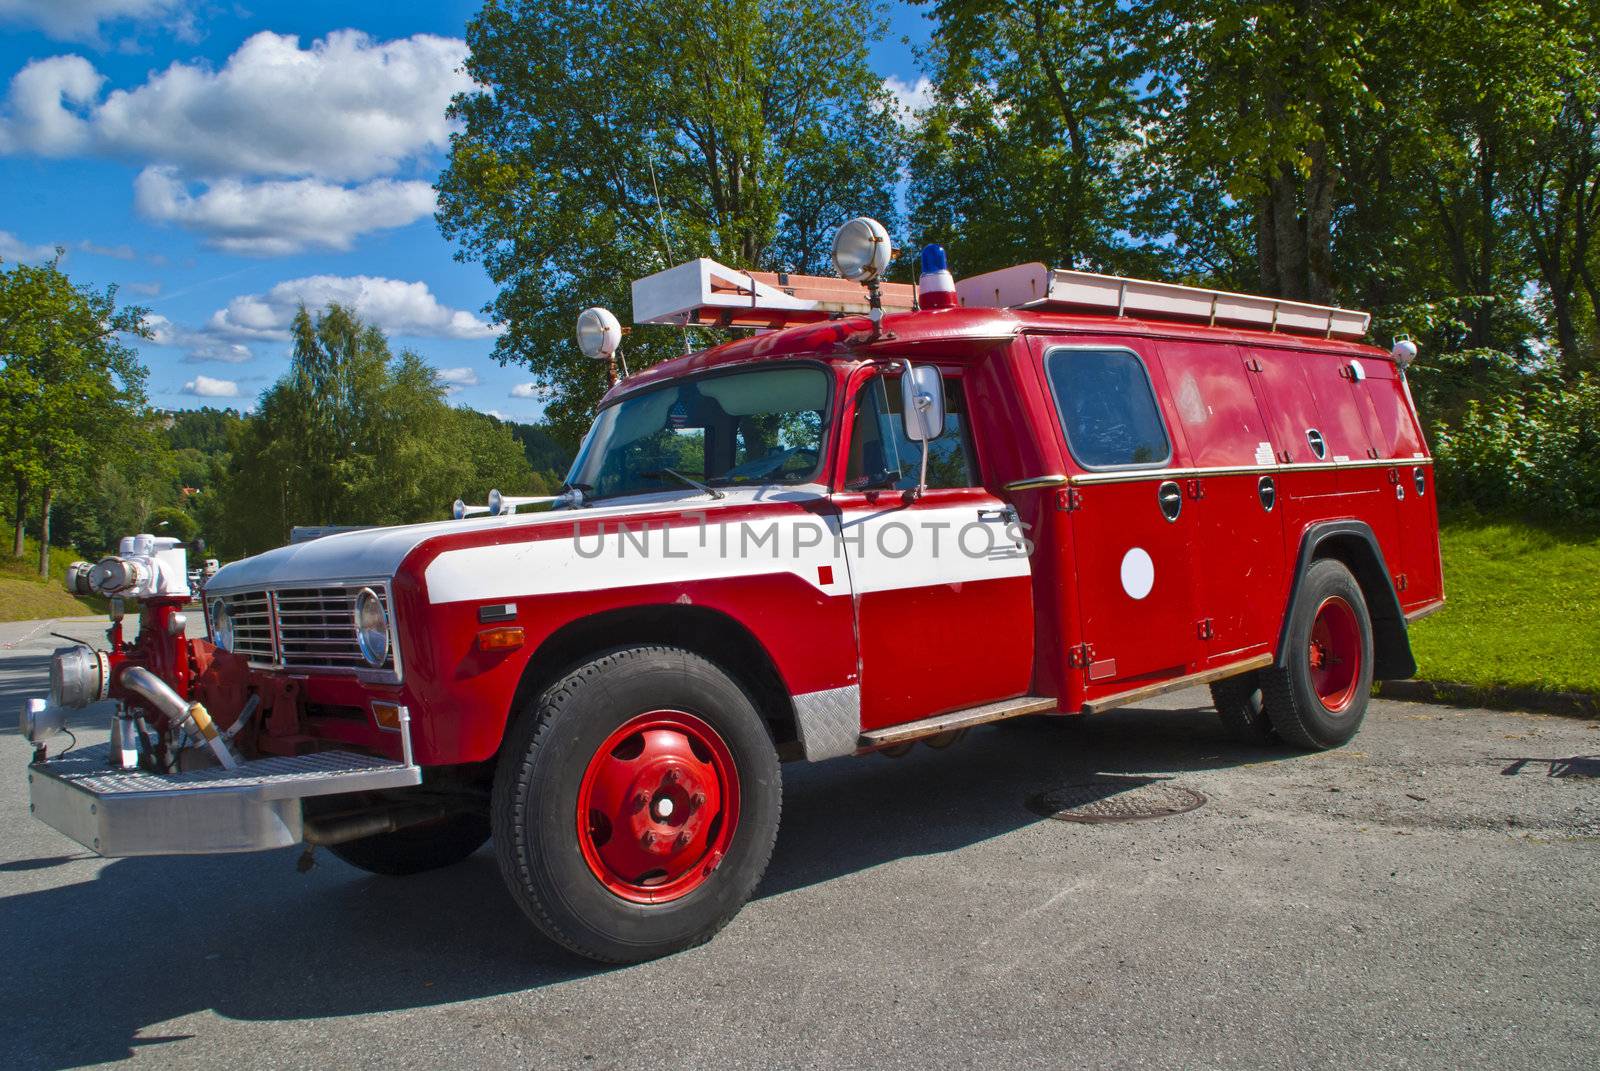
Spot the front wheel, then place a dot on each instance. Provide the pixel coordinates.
(636, 805)
(1317, 695)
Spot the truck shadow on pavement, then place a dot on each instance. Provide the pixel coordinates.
(144, 941)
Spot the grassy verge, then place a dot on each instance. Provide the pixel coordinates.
(25, 596)
(1523, 610)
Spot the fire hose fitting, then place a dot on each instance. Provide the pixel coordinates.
(178, 711)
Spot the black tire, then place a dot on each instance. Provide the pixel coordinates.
(536, 790)
(418, 849)
(1298, 712)
(1241, 707)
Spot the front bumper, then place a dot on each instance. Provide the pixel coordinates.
(254, 807)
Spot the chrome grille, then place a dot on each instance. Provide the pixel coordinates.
(252, 626)
(305, 628)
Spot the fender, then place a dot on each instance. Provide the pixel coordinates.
(1353, 543)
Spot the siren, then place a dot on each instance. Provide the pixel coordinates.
(936, 288)
(503, 505)
(1404, 352)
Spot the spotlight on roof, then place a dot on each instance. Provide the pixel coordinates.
(861, 250)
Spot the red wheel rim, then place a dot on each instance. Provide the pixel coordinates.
(658, 807)
(1335, 654)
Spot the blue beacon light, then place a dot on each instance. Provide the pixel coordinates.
(936, 289)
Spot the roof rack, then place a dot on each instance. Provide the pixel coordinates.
(1036, 286)
(709, 294)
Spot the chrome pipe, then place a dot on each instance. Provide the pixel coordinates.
(159, 694)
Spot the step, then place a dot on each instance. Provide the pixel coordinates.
(958, 719)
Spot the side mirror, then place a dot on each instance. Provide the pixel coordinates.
(922, 402)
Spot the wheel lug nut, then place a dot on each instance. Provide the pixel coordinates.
(640, 800)
(647, 839)
(683, 839)
(671, 777)
(697, 801)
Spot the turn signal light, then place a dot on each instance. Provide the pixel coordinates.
(387, 715)
(500, 639)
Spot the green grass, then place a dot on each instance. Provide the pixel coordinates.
(25, 596)
(1522, 610)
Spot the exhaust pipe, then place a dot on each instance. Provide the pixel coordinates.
(341, 829)
(159, 693)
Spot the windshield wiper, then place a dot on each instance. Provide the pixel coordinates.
(656, 474)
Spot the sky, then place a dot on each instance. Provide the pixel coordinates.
(222, 163)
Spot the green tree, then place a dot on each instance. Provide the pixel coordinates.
(352, 434)
(611, 140)
(71, 392)
(1021, 155)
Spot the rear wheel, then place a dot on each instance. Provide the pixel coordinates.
(1317, 697)
(419, 848)
(636, 805)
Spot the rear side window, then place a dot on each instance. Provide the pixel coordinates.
(1107, 408)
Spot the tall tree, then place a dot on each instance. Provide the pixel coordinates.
(70, 390)
(1021, 154)
(352, 434)
(612, 139)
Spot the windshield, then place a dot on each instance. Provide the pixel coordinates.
(758, 427)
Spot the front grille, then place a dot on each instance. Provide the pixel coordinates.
(252, 626)
(304, 628)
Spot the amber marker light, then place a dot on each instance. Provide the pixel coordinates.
(508, 638)
(387, 715)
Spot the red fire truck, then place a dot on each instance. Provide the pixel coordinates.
(891, 514)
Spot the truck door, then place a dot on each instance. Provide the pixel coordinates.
(1414, 560)
(1133, 527)
(1364, 482)
(1240, 584)
(943, 591)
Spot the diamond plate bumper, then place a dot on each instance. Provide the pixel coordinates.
(251, 808)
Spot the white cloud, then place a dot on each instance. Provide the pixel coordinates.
(497, 414)
(79, 20)
(530, 390)
(347, 108)
(14, 250)
(455, 380)
(396, 306)
(44, 113)
(280, 149)
(197, 345)
(278, 217)
(206, 387)
(911, 97)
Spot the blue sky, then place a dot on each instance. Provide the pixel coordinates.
(221, 164)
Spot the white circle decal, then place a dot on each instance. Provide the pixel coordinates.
(1138, 573)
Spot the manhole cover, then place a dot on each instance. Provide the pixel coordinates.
(1115, 800)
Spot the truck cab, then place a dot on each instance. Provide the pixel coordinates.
(891, 514)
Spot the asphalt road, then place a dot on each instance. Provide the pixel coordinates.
(1427, 897)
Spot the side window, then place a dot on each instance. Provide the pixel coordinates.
(1107, 408)
(882, 458)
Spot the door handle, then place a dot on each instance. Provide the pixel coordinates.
(1007, 514)
(1170, 497)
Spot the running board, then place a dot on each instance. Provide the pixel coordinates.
(1175, 684)
(956, 719)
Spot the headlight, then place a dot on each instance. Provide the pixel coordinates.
(221, 625)
(372, 627)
